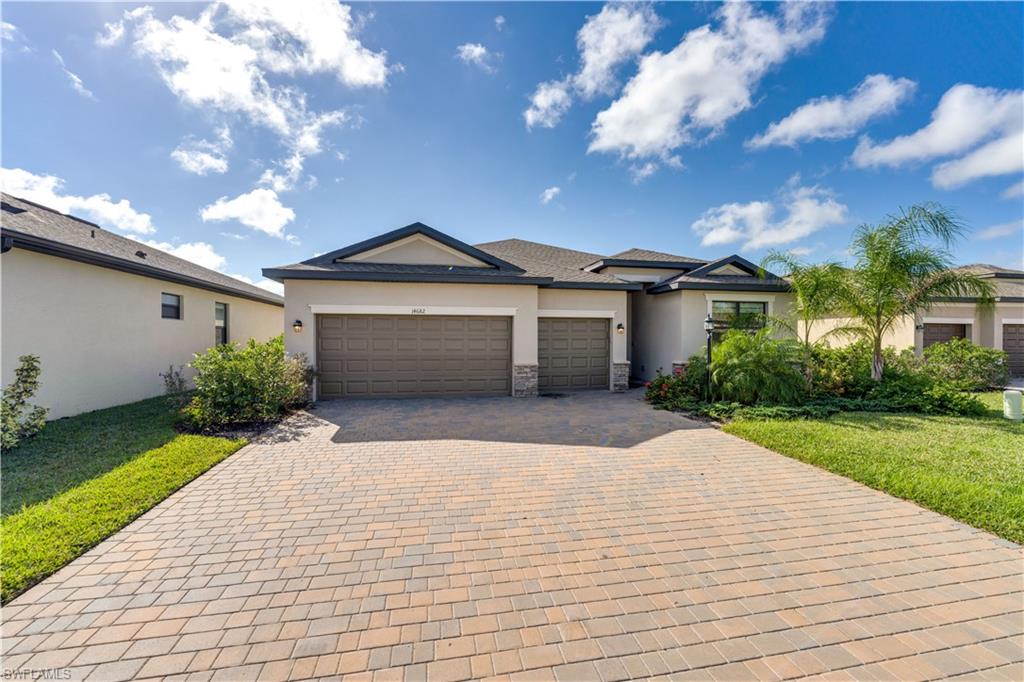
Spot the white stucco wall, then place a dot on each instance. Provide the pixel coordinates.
(99, 334)
(901, 336)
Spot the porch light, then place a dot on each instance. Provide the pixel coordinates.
(619, 329)
(297, 326)
(709, 324)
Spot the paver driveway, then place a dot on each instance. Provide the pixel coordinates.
(582, 538)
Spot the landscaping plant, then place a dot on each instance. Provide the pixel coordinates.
(754, 368)
(901, 266)
(21, 420)
(247, 384)
(965, 365)
(815, 288)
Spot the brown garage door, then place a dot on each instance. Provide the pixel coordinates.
(1013, 344)
(572, 353)
(370, 356)
(940, 333)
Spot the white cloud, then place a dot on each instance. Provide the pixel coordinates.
(499, 22)
(112, 35)
(834, 118)
(203, 157)
(48, 191)
(548, 195)
(1001, 156)
(477, 55)
(1013, 191)
(801, 251)
(706, 80)
(618, 33)
(1001, 230)
(268, 284)
(200, 253)
(985, 125)
(808, 209)
(76, 82)
(260, 209)
(642, 171)
(230, 59)
(548, 104)
(13, 37)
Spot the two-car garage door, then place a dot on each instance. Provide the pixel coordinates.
(370, 356)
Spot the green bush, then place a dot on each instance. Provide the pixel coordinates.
(965, 365)
(920, 392)
(758, 369)
(246, 384)
(21, 420)
(846, 371)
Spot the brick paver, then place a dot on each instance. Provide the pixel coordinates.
(580, 538)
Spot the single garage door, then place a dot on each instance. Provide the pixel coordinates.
(1013, 344)
(572, 353)
(371, 356)
(940, 333)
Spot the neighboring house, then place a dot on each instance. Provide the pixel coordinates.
(106, 314)
(417, 312)
(998, 326)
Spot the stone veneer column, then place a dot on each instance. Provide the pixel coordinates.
(620, 376)
(524, 381)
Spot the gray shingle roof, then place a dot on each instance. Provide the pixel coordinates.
(544, 260)
(646, 254)
(43, 229)
(1007, 282)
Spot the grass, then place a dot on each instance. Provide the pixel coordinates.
(968, 468)
(84, 478)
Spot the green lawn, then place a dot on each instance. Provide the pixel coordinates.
(85, 477)
(971, 469)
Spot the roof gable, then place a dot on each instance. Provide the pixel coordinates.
(730, 265)
(410, 242)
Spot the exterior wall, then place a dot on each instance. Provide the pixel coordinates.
(99, 334)
(300, 294)
(657, 327)
(902, 335)
(669, 328)
(980, 328)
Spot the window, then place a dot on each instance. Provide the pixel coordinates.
(170, 306)
(738, 315)
(220, 323)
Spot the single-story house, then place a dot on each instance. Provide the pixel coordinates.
(997, 326)
(418, 312)
(106, 314)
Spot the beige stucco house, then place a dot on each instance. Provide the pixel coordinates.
(1000, 325)
(106, 314)
(418, 312)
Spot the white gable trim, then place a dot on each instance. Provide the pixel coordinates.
(384, 248)
(729, 269)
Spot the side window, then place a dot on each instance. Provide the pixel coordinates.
(737, 315)
(170, 306)
(220, 323)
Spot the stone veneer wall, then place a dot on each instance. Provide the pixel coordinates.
(620, 376)
(524, 381)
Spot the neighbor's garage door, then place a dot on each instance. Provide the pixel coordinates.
(370, 356)
(572, 353)
(940, 333)
(1013, 344)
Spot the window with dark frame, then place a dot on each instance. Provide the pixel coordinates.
(170, 306)
(737, 315)
(220, 323)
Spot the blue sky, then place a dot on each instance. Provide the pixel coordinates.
(247, 135)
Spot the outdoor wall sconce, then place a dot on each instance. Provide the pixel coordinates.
(919, 327)
(619, 329)
(297, 326)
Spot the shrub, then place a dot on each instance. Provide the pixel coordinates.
(965, 365)
(175, 386)
(686, 385)
(920, 392)
(757, 369)
(246, 384)
(21, 420)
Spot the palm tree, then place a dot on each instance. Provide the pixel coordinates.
(815, 287)
(899, 272)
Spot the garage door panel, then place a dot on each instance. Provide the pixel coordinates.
(573, 353)
(941, 332)
(386, 356)
(1013, 345)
